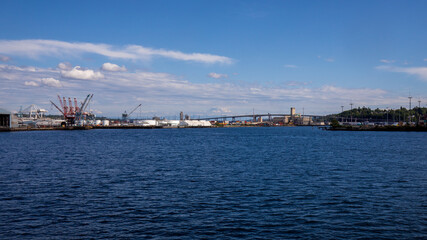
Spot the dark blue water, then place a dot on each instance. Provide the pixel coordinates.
(243, 183)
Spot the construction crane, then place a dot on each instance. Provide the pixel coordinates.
(126, 115)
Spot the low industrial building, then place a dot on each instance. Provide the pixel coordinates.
(195, 123)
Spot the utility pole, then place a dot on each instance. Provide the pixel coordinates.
(342, 110)
(351, 112)
(410, 116)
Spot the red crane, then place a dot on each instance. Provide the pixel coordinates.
(70, 112)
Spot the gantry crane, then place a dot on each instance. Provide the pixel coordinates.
(71, 114)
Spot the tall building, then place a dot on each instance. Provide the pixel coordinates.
(292, 112)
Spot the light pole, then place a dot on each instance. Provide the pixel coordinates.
(351, 112)
(387, 115)
(342, 117)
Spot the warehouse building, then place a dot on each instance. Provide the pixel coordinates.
(5, 118)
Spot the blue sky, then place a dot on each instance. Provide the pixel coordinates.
(214, 57)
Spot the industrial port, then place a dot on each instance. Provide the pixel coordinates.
(75, 115)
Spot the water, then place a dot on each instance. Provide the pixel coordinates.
(242, 183)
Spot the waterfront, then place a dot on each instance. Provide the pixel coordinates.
(271, 183)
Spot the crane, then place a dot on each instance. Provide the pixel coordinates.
(126, 115)
(72, 113)
(81, 110)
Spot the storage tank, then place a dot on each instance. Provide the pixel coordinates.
(105, 123)
(98, 122)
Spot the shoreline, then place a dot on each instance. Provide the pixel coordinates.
(380, 128)
(328, 128)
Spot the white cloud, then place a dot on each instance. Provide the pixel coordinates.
(387, 61)
(78, 73)
(65, 66)
(111, 67)
(296, 83)
(217, 75)
(291, 66)
(420, 72)
(35, 48)
(51, 82)
(11, 68)
(326, 59)
(31, 83)
(4, 58)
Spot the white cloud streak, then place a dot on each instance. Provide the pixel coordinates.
(4, 58)
(291, 66)
(35, 48)
(50, 82)
(31, 83)
(387, 61)
(420, 72)
(220, 110)
(65, 66)
(217, 75)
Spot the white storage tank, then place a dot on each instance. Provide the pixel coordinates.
(98, 122)
(105, 123)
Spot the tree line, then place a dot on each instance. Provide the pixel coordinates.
(396, 115)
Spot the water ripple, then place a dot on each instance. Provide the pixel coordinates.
(250, 183)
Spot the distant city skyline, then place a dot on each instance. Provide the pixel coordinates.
(214, 58)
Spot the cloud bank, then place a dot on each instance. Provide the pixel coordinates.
(163, 93)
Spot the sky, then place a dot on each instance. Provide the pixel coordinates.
(214, 58)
